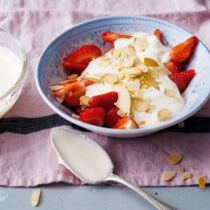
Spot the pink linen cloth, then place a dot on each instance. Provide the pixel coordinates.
(29, 160)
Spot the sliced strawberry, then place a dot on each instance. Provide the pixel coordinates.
(182, 52)
(105, 100)
(70, 93)
(94, 116)
(126, 123)
(110, 36)
(84, 55)
(74, 67)
(86, 82)
(173, 66)
(158, 34)
(182, 79)
(112, 117)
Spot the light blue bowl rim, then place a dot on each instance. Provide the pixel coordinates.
(104, 129)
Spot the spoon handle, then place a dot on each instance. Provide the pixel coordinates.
(155, 202)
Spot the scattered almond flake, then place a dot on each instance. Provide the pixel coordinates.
(150, 62)
(154, 72)
(75, 116)
(84, 100)
(131, 51)
(92, 79)
(117, 62)
(116, 53)
(186, 176)
(133, 85)
(110, 78)
(141, 43)
(201, 182)
(35, 197)
(132, 71)
(72, 76)
(141, 122)
(168, 175)
(145, 86)
(137, 94)
(181, 170)
(142, 67)
(174, 159)
(61, 96)
(83, 107)
(163, 71)
(139, 105)
(104, 61)
(123, 102)
(170, 93)
(127, 61)
(164, 114)
(150, 109)
(57, 87)
(121, 113)
(181, 124)
(65, 81)
(150, 81)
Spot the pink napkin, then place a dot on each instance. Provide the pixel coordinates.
(26, 154)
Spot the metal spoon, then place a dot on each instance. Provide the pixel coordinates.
(110, 176)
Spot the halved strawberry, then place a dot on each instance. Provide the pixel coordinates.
(182, 52)
(70, 93)
(110, 36)
(105, 100)
(84, 55)
(94, 116)
(173, 66)
(74, 67)
(126, 123)
(112, 117)
(158, 34)
(182, 79)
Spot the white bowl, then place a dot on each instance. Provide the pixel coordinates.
(50, 71)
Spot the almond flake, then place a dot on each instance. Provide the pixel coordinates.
(35, 197)
(65, 81)
(131, 51)
(133, 85)
(164, 114)
(84, 100)
(174, 159)
(139, 105)
(60, 96)
(181, 170)
(163, 71)
(154, 72)
(141, 43)
(75, 116)
(137, 94)
(142, 67)
(57, 87)
(132, 71)
(121, 113)
(201, 182)
(141, 122)
(116, 53)
(72, 76)
(150, 109)
(110, 78)
(168, 175)
(170, 93)
(104, 62)
(150, 62)
(123, 102)
(150, 81)
(186, 176)
(127, 61)
(92, 79)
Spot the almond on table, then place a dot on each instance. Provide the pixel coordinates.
(168, 175)
(186, 176)
(174, 159)
(35, 197)
(201, 182)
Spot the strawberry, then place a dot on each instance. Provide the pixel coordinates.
(182, 52)
(110, 36)
(80, 109)
(182, 79)
(173, 66)
(84, 55)
(126, 123)
(112, 117)
(74, 67)
(94, 116)
(70, 93)
(105, 100)
(158, 34)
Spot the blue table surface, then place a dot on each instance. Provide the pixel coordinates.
(68, 197)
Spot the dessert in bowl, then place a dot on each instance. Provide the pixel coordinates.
(141, 87)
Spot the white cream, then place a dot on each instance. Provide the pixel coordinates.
(10, 69)
(81, 155)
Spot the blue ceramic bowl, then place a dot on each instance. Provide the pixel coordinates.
(50, 71)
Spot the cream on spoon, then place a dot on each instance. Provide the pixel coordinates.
(89, 162)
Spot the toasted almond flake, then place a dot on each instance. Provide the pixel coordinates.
(133, 85)
(60, 98)
(83, 107)
(117, 62)
(141, 43)
(150, 81)
(142, 67)
(65, 81)
(168, 175)
(154, 72)
(84, 100)
(35, 197)
(174, 159)
(150, 62)
(139, 105)
(92, 79)
(201, 182)
(123, 102)
(181, 124)
(110, 78)
(170, 93)
(104, 62)
(150, 109)
(75, 116)
(145, 86)
(57, 87)
(121, 113)
(131, 51)
(186, 176)
(163, 71)
(137, 94)
(141, 122)
(132, 71)
(72, 76)
(181, 170)
(127, 61)
(164, 114)
(116, 53)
